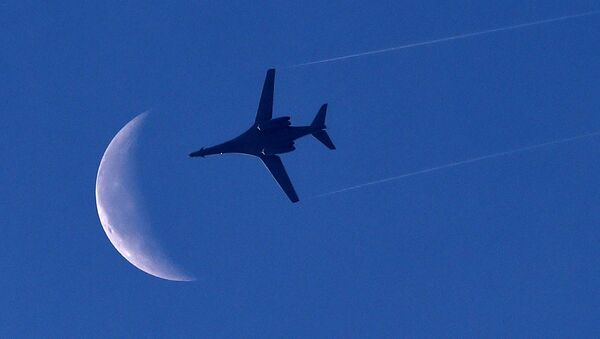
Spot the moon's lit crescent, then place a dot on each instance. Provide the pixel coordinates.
(121, 212)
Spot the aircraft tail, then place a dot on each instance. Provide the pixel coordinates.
(319, 124)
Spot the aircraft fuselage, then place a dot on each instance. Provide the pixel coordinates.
(259, 141)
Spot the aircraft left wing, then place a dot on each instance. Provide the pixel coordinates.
(276, 168)
(265, 107)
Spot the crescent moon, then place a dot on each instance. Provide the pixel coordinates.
(120, 209)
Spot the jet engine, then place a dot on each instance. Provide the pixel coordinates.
(274, 124)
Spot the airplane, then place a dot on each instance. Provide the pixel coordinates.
(270, 136)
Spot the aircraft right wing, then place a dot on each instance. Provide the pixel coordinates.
(265, 107)
(276, 168)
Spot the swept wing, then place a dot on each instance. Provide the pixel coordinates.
(265, 107)
(276, 168)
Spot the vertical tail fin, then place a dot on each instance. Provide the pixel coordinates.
(319, 120)
(319, 124)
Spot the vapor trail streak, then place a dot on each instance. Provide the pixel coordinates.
(456, 37)
(459, 163)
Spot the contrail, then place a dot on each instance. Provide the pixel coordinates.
(459, 163)
(455, 37)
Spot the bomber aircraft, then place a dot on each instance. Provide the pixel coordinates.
(270, 136)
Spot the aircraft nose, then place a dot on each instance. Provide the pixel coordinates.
(199, 153)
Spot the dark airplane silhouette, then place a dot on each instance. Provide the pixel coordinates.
(268, 137)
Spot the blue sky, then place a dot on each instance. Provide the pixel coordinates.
(502, 247)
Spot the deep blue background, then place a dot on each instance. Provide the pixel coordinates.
(503, 247)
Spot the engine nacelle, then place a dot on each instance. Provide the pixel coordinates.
(274, 124)
(278, 150)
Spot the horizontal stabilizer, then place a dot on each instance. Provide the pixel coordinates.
(319, 124)
(324, 138)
